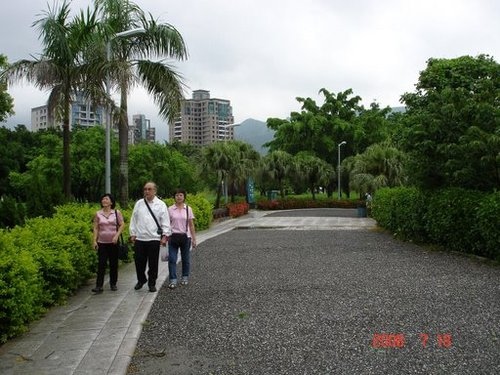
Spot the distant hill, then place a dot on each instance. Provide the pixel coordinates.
(254, 132)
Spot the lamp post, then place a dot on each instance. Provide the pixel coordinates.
(107, 176)
(338, 168)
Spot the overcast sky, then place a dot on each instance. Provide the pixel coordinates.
(262, 54)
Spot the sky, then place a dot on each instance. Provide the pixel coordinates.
(263, 54)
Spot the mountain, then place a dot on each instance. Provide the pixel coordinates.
(254, 132)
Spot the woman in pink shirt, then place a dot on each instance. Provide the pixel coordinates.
(108, 225)
(182, 238)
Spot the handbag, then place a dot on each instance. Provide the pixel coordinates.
(121, 244)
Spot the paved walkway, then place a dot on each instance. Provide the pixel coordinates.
(97, 334)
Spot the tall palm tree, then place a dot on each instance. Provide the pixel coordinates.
(131, 64)
(59, 68)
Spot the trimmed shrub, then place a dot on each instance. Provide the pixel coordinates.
(238, 209)
(451, 217)
(402, 211)
(487, 224)
(20, 289)
(290, 203)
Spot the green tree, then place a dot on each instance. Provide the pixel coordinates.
(131, 63)
(314, 171)
(6, 101)
(167, 167)
(452, 124)
(88, 147)
(38, 185)
(279, 166)
(379, 166)
(19, 146)
(317, 129)
(59, 69)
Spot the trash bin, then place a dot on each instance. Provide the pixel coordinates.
(272, 195)
(362, 212)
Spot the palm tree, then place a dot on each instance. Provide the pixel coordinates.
(243, 164)
(130, 65)
(59, 69)
(279, 165)
(314, 171)
(218, 158)
(379, 166)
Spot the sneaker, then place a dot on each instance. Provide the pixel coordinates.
(184, 282)
(114, 288)
(97, 289)
(172, 285)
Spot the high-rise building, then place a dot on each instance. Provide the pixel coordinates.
(82, 113)
(142, 130)
(203, 120)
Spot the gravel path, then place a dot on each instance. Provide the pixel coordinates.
(317, 302)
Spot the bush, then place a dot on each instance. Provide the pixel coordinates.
(290, 203)
(487, 223)
(402, 211)
(457, 219)
(20, 289)
(450, 219)
(238, 209)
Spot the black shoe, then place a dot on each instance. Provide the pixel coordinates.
(114, 288)
(138, 286)
(152, 288)
(97, 289)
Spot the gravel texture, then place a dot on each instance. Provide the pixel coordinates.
(311, 302)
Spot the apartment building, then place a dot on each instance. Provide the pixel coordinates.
(203, 120)
(141, 130)
(82, 113)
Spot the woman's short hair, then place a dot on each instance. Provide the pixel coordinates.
(113, 202)
(180, 191)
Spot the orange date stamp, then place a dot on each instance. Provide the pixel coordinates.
(398, 340)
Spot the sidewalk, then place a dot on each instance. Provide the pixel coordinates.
(97, 334)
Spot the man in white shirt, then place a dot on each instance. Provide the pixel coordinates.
(149, 228)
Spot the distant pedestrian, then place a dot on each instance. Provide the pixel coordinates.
(149, 228)
(108, 225)
(182, 238)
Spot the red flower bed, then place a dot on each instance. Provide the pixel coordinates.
(294, 203)
(237, 209)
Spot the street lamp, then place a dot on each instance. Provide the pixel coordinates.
(338, 169)
(107, 177)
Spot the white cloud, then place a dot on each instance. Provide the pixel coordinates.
(262, 54)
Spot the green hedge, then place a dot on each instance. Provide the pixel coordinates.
(47, 259)
(457, 219)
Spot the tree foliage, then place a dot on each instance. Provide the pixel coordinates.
(6, 101)
(60, 68)
(452, 124)
(133, 62)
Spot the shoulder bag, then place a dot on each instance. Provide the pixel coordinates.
(159, 231)
(121, 244)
